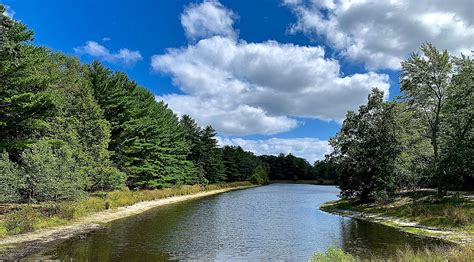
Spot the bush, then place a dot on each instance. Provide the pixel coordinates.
(51, 174)
(107, 178)
(21, 221)
(332, 255)
(10, 180)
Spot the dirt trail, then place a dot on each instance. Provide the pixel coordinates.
(19, 246)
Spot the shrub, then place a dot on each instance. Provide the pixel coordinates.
(10, 180)
(51, 174)
(21, 221)
(331, 255)
(107, 178)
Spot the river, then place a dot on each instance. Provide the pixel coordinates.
(275, 222)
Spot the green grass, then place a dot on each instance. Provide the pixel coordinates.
(454, 254)
(451, 212)
(28, 218)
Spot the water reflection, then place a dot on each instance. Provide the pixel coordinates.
(266, 223)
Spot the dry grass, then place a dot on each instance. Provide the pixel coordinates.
(29, 218)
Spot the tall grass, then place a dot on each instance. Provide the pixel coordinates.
(29, 218)
(454, 254)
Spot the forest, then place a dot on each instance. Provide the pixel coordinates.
(68, 129)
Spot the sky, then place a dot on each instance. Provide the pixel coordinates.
(272, 76)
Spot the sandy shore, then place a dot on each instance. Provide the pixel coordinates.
(19, 246)
(410, 227)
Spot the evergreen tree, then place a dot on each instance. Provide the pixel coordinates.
(239, 164)
(147, 140)
(211, 156)
(10, 180)
(26, 102)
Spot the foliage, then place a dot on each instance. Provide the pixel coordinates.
(325, 171)
(69, 129)
(333, 254)
(26, 102)
(10, 180)
(260, 176)
(288, 167)
(425, 80)
(51, 173)
(204, 153)
(21, 221)
(239, 164)
(365, 150)
(413, 164)
(454, 254)
(147, 141)
(457, 137)
(425, 139)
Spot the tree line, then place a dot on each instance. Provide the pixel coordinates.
(69, 128)
(423, 139)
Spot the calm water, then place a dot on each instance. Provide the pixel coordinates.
(275, 222)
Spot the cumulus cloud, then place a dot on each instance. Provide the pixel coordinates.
(208, 19)
(381, 33)
(246, 88)
(8, 11)
(96, 50)
(311, 149)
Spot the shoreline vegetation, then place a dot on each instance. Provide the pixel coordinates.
(421, 139)
(424, 214)
(29, 228)
(455, 254)
(308, 182)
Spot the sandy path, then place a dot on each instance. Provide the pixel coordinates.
(18, 246)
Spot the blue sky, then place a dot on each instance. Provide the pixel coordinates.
(271, 75)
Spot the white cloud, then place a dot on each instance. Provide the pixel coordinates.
(105, 39)
(123, 56)
(311, 149)
(247, 88)
(208, 19)
(8, 11)
(381, 33)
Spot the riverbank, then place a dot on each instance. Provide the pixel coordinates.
(309, 182)
(110, 207)
(442, 254)
(450, 218)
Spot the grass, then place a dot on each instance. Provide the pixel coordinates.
(450, 212)
(454, 254)
(28, 218)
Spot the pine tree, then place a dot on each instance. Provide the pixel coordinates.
(211, 157)
(25, 99)
(147, 140)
